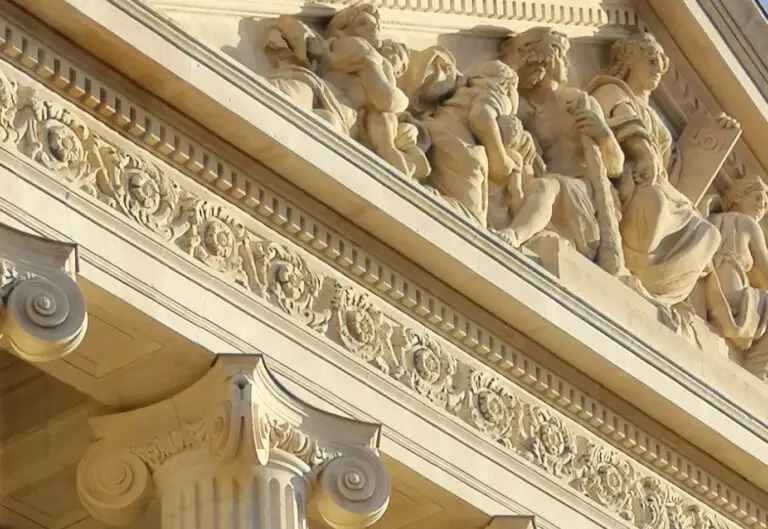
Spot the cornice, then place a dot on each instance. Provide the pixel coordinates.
(583, 18)
(532, 376)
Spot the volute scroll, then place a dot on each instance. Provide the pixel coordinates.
(42, 310)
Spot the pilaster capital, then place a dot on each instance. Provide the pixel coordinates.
(42, 310)
(235, 420)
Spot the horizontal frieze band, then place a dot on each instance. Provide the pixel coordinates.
(185, 154)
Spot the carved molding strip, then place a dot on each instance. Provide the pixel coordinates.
(209, 233)
(563, 12)
(193, 159)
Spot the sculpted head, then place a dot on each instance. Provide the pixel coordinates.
(358, 20)
(639, 60)
(494, 75)
(538, 54)
(748, 195)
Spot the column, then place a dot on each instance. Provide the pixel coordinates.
(234, 451)
(42, 310)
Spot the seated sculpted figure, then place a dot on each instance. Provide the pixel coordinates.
(364, 71)
(578, 148)
(476, 140)
(667, 243)
(737, 289)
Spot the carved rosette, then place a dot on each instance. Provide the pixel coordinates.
(254, 432)
(428, 368)
(214, 237)
(284, 278)
(139, 189)
(54, 137)
(493, 409)
(42, 310)
(607, 478)
(361, 327)
(549, 442)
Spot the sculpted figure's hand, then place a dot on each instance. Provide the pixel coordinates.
(645, 172)
(727, 122)
(407, 136)
(592, 124)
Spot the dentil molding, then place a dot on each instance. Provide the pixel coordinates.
(42, 310)
(89, 159)
(232, 438)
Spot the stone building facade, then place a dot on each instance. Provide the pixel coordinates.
(402, 264)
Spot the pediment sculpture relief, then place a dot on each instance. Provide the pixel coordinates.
(513, 147)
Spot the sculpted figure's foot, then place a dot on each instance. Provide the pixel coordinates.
(611, 260)
(509, 236)
(633, 282)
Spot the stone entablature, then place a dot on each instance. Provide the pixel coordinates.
(221, 237)
(42, 311)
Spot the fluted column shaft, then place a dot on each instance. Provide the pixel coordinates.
(198, 492)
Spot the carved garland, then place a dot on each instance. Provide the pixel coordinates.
(205, 231)
(203, 165)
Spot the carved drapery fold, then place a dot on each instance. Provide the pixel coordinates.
(42, 310)
(235, 450)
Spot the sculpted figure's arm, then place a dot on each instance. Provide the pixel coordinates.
(355, 56)
(758, 276)
(483, 122)
(597, 127)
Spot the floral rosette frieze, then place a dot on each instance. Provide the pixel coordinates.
(361, 327)
(214, 237)
(286, 280)
(137, 187)
(53, 136)
(607, 478)
(429, 369)
(493, 409)
(549, 442)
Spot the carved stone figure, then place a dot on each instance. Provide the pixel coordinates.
(667, 243)
(577, 146)
(350, 80)
(737, 289)
(467, 146)
(293, 50)
(479, 145)
(365, 70)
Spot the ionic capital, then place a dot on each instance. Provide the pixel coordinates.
(234, 440)
(42, 310)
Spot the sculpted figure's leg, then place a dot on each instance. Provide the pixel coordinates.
(642, 226)
(382, 131)
(535, 212)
